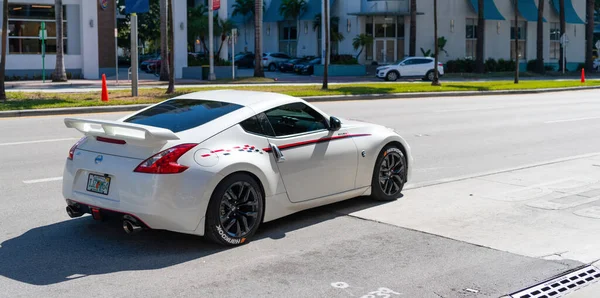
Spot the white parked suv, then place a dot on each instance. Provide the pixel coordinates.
(410, 67)
(271, 61)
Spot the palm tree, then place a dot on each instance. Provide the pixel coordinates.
(563, 29)
(334, 22)
(164, 65)
(258, 21)
(361, 42)
(198, 25)
(171, 87)
(479, 66)
(244, 8)
(436, 76)
(292, 10)
(540, 37)
(4, 41)
(59, 74)
(589, 33)
(413, 28)
(224, 26)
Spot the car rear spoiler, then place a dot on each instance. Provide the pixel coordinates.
(141, 134)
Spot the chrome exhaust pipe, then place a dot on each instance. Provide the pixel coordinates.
(130, 225)
(73, 212)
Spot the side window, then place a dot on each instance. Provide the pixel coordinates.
(295, 118)
(409, 62)
(258, 124)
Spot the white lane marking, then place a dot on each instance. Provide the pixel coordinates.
(571, 120)
(38, 141)
(42, 180)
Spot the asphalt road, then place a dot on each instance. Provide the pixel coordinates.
(320, 253)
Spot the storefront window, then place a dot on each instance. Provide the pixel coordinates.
(25, 22)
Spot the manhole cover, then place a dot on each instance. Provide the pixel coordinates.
(562, 285)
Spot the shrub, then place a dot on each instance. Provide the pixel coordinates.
(491, 65)
(343, 59)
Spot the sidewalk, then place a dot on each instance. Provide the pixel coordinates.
(549, 211)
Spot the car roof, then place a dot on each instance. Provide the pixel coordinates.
(256, 100)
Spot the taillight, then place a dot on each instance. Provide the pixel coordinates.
(109, 140)
(165, 162)
(265, 59)
(72, 150)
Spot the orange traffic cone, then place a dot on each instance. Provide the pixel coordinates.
(583, 75)
(104, 89)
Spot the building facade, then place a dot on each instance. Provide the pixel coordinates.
(90, 26)
(388, 21)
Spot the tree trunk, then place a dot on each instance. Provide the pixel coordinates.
(258, 23)
(326, 56)
(3, 58)
(59, 74)
(540, 37)
(563, 29)
(164, 60)
(171, 88)
(436, 76)
(589, 33)
(412, 50)
(479, 66)
(517, 60)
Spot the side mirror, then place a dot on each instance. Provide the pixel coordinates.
(334, 124)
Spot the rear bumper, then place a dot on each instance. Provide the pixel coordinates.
(165, 202)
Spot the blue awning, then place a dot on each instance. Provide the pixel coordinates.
(529, 10)
(490, 11)
(272, 13)
(571, 16)
(313, 8)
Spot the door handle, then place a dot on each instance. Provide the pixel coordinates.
(277, 153)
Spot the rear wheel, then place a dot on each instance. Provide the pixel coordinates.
(430, 75)
(235, 210)
(272, 67)
(389, 175)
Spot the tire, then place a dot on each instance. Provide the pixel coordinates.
(231, 220)
(386, 185)
(430, 76)
(272, 67)
(391, 76)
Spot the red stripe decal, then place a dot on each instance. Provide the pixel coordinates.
(315, 141)
(205, 155)
(220, 150)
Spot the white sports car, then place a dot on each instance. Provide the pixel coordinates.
(219, 163)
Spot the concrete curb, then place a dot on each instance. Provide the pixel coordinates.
(131, 108)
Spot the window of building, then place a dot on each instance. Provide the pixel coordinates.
(288, 36)
(369, 50)
(555, 40)
(471, 39)
(24, 24)
(522, 33)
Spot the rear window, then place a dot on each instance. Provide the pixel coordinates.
(182, 114)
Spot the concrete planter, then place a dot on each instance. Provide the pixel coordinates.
(339, 70)
(196, 72)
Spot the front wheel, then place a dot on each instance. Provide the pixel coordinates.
(391, 76)
(389, 175)
(235, 210)
(430, 75)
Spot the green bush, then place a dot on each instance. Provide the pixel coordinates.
(343, 59)
(491, 65)
(460, 66)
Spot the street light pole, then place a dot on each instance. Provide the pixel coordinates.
(517, 60)
(211, 74)
(436, 75)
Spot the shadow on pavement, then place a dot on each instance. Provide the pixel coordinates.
(80, 247)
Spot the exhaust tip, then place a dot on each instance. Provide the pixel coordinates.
(73, 213)
(131, 227)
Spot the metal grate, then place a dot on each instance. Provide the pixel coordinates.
(562, 285)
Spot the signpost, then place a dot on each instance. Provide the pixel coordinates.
(564, 41)
(134, 7)
(233, 37)
(43, 35)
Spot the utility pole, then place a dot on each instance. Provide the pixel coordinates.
(211, 74)
(325, 25)
(436, 74)
(517, 60)
(134, 55)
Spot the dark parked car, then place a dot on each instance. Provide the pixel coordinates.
(307, 67)
(288, 66)
(244, 60)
